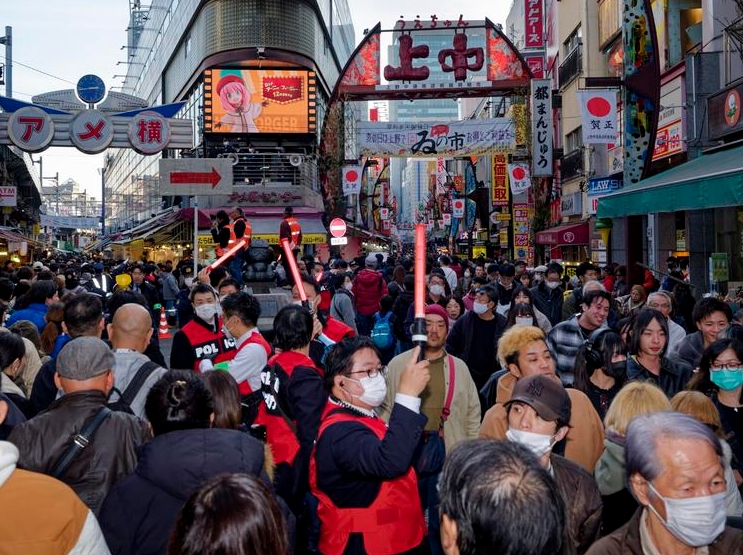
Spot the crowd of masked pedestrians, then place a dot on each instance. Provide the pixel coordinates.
(543, 413)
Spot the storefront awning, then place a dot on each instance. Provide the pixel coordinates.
(570, 234)
(267, 229)
(710, 181)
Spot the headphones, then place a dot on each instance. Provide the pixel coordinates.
(594, 357)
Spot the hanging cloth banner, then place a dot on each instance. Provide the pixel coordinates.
(598, 116)
(433, 139)
(518, 175)
(351, 180)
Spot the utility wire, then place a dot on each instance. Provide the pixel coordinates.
(43, 72)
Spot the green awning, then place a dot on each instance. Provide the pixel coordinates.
(710, 181)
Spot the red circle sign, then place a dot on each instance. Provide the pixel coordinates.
(352, 175)
(598, 107)
(337, 227)
(519, 173)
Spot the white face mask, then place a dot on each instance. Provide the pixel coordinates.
(524, 321)
(348, 286)
(695, 521)
(206, 312)
(539, 444)
(552, 284)
(436, 289)
(375, 390)
(479, 308)
(467, 273)
(188, 282)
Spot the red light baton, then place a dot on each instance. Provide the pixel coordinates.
(294, 270)
(418, 329)
(219, 261)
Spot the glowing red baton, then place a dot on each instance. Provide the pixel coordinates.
(218, 262)
(294, 270)
(418, 329)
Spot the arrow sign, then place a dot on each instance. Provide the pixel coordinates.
(195, 176)
(212, 177)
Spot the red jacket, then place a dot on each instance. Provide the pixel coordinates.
(385, 525)
(368, 287)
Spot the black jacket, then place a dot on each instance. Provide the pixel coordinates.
(582, 501)
(548, 302)
(459, 340)
(141, 509)
(675, 373)
(109, 456)
(400, 308)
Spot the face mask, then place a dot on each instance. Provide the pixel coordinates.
(227, 333)
(539, 444)
(479, 308)
(375, 390)
(467, 273)
(537, 278)
(297, 302)
(524, 321)
(552, 284)
(348, 286)
(616, 370)
(695, 521)
(206, 311)
(437, 289)
(188, 282)
(727, 379)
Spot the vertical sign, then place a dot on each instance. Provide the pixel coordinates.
(598, 116)
(500, 180)
(533, 24)
(541, 127)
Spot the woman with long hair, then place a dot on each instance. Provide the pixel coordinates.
(521, 295)
(600, 369)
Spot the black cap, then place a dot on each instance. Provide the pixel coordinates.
(545, 395)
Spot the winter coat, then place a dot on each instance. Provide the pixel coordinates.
(582, 501)
(548, 301)
(368, 287)
(34, 313)
(341, 308)
(400, 308)
(141, 509)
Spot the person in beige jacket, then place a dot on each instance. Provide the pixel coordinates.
(523, 351)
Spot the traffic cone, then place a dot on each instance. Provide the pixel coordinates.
(163, 332)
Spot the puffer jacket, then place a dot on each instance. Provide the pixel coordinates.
(109, 456)
(582, 501)
(140, 511)
(368, 287)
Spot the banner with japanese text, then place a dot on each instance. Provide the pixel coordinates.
(351, 180)
(598, 116)
(459, 138)
(541, 127)
(523, 248)
(501, 195)
(518, 175)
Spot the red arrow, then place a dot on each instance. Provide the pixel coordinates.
(212, 177)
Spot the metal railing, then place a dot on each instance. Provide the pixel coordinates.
(572, 67)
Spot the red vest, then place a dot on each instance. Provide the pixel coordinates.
(337, 330)
(255, 339)
(281, 433)
(295, 228)
(208, 344)
(393, 523)
(246, 236)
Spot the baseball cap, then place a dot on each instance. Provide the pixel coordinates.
(371, 261)
(545, 395)
(83, 358)
(38, 265)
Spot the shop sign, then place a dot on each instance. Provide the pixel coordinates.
(533, 24)
(8, 196)
(572, 204)
(500, 180)
(541, 127)
(602, 186)
(724, 109)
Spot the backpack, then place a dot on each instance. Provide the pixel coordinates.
(381, 333)
(124, 402)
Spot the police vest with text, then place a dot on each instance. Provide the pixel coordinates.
(208, 344)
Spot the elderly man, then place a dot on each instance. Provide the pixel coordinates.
(674, 466)
(134, 373)
(538, 416)
(496, 498)
(523, 352)
(474, 336)
(661, 301)
(567, 337)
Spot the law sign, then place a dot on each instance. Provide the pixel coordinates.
(195, 176)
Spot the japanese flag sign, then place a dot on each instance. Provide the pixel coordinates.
(598, 116)
(351, 176)
(518, 175)
(384, 213)
(457, 206)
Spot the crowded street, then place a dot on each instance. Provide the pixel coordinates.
(321, 277)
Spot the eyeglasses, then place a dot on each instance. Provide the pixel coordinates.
(372, 372)
(733, 366)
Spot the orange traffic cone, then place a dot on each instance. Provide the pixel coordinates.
(163, 332)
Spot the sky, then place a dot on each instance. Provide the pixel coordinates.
(56, 42)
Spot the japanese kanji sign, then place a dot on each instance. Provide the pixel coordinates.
(500, 180)
(598, 116)
(541, 127)
(149, 132)
(518, 175)
(533, 24)
(351, 180)
(461, 138)
(458, 208)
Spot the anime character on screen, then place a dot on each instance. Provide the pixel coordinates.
(240, 113)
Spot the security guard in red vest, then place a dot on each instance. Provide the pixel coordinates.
(361, 469)
(292, 232)
(240, 228)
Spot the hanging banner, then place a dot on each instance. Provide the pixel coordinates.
(459, 138)
(446, 219)
(384, 214)
(598, 116)
(351, 180)
(458, 208)
(518, 175)
(500, 180)
(541, 127)
(533, 24)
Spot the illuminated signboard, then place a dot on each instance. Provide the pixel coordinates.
(259, 101)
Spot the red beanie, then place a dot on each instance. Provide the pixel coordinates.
(229, 78)
(438, 310)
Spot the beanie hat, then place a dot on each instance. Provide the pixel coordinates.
(438, 310)
(227, 79)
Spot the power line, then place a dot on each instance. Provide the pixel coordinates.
(43, 72)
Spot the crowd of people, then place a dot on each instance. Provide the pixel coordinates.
(542, 415)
